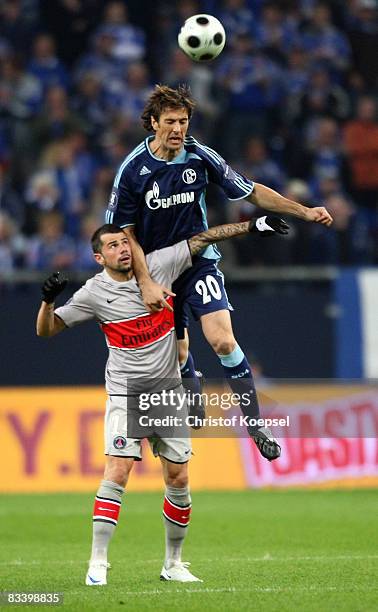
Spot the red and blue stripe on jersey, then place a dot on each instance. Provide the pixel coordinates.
(139, 332)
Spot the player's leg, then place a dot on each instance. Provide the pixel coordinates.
(176, 516)
(174, 449)
(217, 329)
(192, 379)
(121, 451)
(207, 298)
(106, 510)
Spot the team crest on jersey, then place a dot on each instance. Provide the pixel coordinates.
(119, 442)
(189, 176)
(113, 200)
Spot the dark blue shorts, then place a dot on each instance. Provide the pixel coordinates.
(200, 289)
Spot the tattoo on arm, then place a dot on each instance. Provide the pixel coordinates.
(215, 234)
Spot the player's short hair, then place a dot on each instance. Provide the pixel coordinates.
(108, 228)
(164, 97)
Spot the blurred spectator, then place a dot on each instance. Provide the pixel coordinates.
(20, 99)
(325, 155)
(114, 147)
(41, 195)
(169, 19)
(45, 65)
(356, 87)
(55, 121)
(300, 232)
(72, 183)
(128, 40)
(260, 166)
(12, 244)
(99, 60)
(237, 19)
(321, 98)
(348, 240)
(15, 27)
(127, 96)
(10, 201)
(296, 74)
(84, 255)
(362, 25)
(51, 249)
(73, 21)
(275, 34)
(20, 92)
(84, 159)
(252, 84)
(101, 188)
(361, 145)
(324, 41)
(89, 104)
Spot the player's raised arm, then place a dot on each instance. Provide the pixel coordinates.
(263, 226)
(48, 324)
(153, 294)
(267, 198)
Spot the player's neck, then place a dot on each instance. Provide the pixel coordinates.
(159, 150)
(120, 277)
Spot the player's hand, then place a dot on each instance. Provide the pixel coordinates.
(52, 286)
(319, 214)
(154, 296)
(268, 225)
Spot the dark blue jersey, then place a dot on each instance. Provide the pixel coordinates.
(166, 200)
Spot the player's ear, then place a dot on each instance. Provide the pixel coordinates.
(154, 123)
(99, 258)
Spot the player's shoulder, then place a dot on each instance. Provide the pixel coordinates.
(133, 159)
(203, 151)
(93, 284)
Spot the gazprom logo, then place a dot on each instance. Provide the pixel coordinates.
(154, 202)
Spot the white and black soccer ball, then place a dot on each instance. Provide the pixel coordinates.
(202, 38)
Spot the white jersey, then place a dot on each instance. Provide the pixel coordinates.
(143, 353)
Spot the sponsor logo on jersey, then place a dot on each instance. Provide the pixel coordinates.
(119, 442)
(113, 200)
(141, 331)
(154, 202)
(144, 170)
(189, 176)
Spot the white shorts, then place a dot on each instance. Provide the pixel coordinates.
(126, 425)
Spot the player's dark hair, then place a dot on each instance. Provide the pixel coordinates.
(108, 228)
(164, 97)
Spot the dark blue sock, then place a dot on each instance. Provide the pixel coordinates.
(240, 379)
(190, 380)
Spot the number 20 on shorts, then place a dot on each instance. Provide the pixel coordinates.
(208, 289)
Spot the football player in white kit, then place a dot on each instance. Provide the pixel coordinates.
(143, 357)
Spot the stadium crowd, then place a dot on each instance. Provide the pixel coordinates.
(291, 103)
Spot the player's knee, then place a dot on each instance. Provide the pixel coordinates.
(223, 345)
(117, 473)
(179, 480)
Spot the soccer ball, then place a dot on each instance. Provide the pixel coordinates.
(202, 38)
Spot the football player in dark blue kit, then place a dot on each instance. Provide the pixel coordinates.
(158, 197)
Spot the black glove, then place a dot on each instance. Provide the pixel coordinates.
(52, 286)
(268, 225)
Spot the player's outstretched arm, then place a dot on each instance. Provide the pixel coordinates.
(267, 198)
(263, 226)
(153, 294)
(48, 324)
